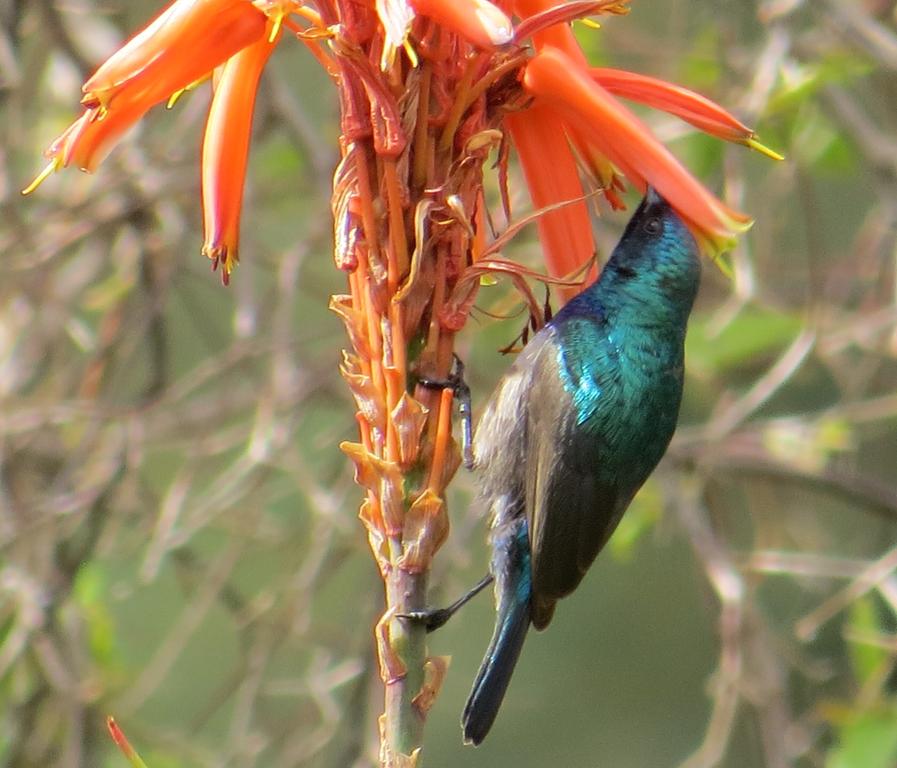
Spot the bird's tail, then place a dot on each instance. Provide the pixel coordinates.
(513, 589)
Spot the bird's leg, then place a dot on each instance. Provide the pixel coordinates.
(465, 410)
(434, 618)
(458, 385)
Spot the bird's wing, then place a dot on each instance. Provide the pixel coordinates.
(499, 444)
(572, 506)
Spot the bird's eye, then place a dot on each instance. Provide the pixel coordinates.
(654, 226)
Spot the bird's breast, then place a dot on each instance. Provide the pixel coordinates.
(625, 387)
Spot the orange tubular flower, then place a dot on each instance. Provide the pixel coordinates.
(691, 107)
(225, 152)
(552, 177)
(549, 163)
(184, 43)
(100, 131)
(609, 139)
(575, 115)
(605, 125)
(87, 141)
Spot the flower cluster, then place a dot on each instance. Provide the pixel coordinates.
(190, 41)
(570, 119)
(577, 102)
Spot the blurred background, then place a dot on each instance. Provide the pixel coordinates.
(178, 535)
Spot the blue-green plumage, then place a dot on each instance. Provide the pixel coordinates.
(575, 428)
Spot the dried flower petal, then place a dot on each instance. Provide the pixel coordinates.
(354, 321)
(409, 418)
(370, 516)
(366, 473)
(392, 668)
(367, 398)
(392, 497)
(435, 670)
(425, 530)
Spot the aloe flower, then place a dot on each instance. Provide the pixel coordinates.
(225, 151)
(182, 46)
(432, 92)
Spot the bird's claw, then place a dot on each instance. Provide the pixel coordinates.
(432, 618)
(459, 386)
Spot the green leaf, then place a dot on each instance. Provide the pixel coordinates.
(755, 333)
(801, 82)
(819, 142)
(866, 659)
(89, 591)
(701, 70)
(641, 517)
(867, 741)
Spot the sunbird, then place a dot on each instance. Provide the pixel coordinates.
(573, 430)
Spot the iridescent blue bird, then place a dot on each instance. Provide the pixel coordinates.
(574, 429)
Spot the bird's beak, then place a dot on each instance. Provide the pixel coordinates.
(652, 197)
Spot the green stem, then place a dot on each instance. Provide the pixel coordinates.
(404, 721)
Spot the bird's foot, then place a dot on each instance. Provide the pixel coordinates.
(455, 381)
(434, 618)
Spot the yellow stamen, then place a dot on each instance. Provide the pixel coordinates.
(762, 148)
(410, 53)
(173, 99)
(722, 264)
(51, 167)
(277, 23)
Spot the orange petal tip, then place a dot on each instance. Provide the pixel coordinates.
(494, 22)
(479, 21)
(121, 741)
(223, 256)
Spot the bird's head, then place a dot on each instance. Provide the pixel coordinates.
(657, 253)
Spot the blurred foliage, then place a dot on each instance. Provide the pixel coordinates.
(178, 543)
